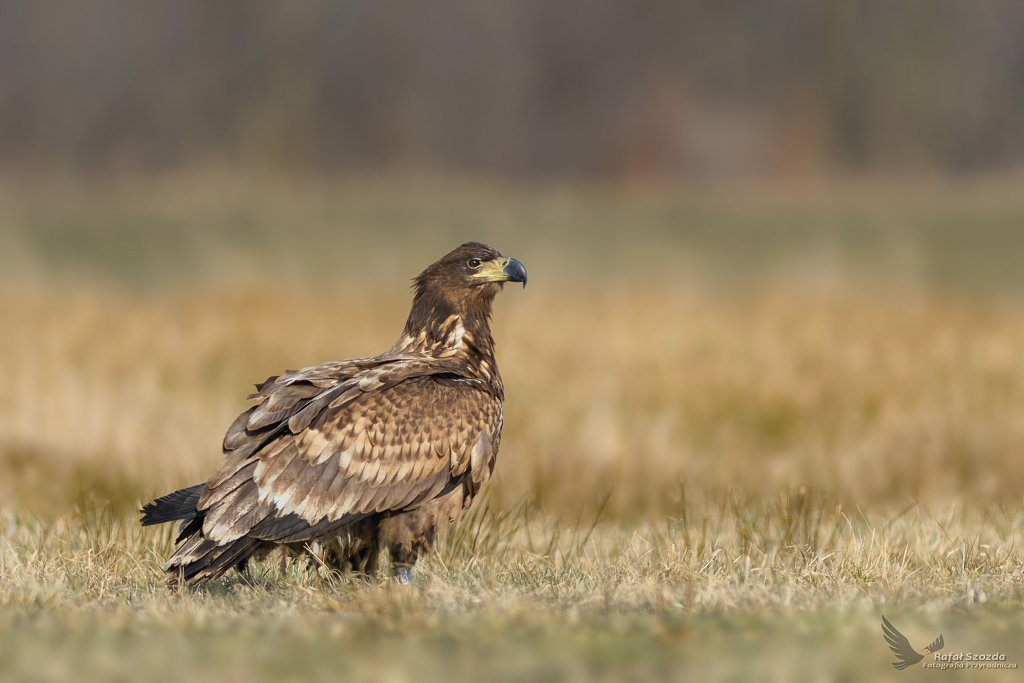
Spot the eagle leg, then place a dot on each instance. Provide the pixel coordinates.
(364, 561)
(357, 550)
(403, 559)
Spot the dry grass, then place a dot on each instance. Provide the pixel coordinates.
(729, 483)
(866, 399)
(788, 590)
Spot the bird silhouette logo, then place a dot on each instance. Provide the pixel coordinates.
(899, 644)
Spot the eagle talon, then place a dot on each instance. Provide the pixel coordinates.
(404, 575)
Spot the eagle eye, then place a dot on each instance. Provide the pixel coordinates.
(474, 263)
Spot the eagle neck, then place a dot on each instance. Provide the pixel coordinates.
(458, 330)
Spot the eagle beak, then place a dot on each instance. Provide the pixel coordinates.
(514, 271)
(502, 270)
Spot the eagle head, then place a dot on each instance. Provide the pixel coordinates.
(471, 267)
(462, 283)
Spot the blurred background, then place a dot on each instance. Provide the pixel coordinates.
(772, 244)
(532, 89)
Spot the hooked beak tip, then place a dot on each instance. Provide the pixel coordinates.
(515, 271)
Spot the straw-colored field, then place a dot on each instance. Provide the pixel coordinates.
(735, 433)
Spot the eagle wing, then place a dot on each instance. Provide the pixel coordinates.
(332, 444)
(900, 646)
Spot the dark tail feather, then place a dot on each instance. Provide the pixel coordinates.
(199, 559)
(174, 506)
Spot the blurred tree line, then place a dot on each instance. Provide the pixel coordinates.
(524, 87)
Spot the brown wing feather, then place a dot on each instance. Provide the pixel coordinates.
(343, 439)
(281, 403)
(376, 467)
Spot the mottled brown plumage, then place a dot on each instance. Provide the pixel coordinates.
(335, 457)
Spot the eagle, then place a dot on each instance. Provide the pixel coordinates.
(337, 458)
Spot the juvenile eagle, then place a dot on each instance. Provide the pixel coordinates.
(337, 455)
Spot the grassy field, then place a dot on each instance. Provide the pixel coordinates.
(741, 424)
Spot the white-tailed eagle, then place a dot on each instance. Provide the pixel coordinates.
(335, 456)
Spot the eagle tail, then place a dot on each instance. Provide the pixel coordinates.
(199, 559)
(174, 506)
